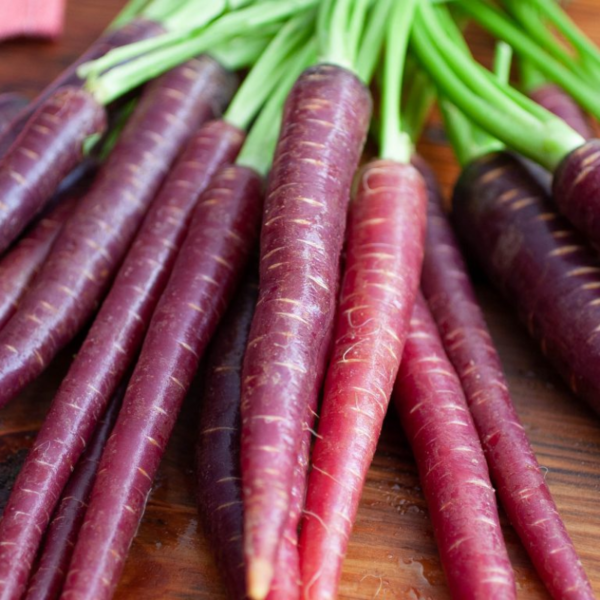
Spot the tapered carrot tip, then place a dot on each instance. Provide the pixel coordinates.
(260, 574)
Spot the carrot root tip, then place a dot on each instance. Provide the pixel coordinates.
(260, 575)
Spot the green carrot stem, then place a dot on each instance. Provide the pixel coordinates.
(372, 40)
(418, 103)
(395, 144)
(547, 143)
(119, 80)
(260, 144)
(501, 27)
(530, 78)
(261, 81)
(242, 52)
(131, 10)
(158, 10)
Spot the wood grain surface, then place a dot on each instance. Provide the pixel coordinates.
(392, 554)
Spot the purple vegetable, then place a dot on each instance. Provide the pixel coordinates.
(48, 148)
(512, 463)
(223, 232)
(47, 581)
(10, 105)
(93, 243)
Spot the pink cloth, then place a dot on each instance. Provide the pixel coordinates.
(31, 18)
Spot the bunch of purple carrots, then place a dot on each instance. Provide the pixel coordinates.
(173, 213)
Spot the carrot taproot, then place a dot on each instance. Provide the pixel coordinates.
(223, 231)
(46, 582)
(21, 263)
(323, 130)
(520, 484)
(135, 30)
(538, 261)
(452, 467)
(48, 148)
(112, 342)
(93, 242)
(384, 253)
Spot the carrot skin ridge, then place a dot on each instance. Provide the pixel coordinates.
(136, 30)
(93, 242)
(47, 149)
(541, 264)
(61, 536)
(575, 189)
(513, 466)
(558, 102)
(452, 467)
(323, 130)
(113, 340)
(222, 234)
(219, 491)
(384, 253)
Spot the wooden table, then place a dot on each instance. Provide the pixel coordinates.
(392, 554)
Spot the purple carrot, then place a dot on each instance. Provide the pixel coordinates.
(112, 343)
(47, 581)
(135, 30)
(93, 242)
(511, 460)
(558, 102)
(20, 265)
(10, 105)
(323, 130)
(538, 260)
(48, 148)
(222, 234)
(217, 459)
(452, 467)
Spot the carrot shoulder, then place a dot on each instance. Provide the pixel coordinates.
(452, 467)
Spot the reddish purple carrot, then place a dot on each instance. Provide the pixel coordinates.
(223, 232)
(135, 30)
(47, 581)
(538, 260)
(558, 102)
(112, 343)
(324, 126)
(512, 463)
(452, 467)
(22, 263)
(48, 148)
(383, 265)
(93, 243)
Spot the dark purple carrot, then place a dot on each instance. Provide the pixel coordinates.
(47, 581)
(558, 102)
(10, 105)
(218, 454)
(48, 148)
(538, 260)
(323, 129)
(512, 463)
(452, 468)
(20, 265)
(135, 30)
(384, 252)
(112, 342)
(218, 448)
(93, 243)
(222, 234)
